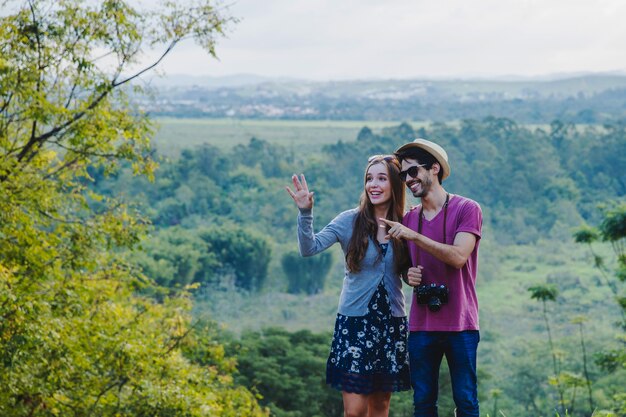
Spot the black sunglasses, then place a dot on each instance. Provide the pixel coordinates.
(412, 171)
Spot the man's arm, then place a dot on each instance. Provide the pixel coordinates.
(454, 255)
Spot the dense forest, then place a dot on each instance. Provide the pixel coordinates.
(222, 220)
(532, 182)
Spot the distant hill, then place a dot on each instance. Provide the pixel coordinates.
(586, 98)
(229, 81)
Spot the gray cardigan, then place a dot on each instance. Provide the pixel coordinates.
(358, 287)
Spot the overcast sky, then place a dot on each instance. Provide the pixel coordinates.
(341, 39)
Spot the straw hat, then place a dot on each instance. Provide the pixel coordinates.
(432, 148)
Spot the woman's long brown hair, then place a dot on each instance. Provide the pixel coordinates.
(366, 224)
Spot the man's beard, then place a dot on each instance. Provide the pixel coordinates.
(425, 186)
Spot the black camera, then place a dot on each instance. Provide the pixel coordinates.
(434, 295)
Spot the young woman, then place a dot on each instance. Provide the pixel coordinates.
(368, 357)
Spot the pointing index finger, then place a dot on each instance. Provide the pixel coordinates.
(389, 222)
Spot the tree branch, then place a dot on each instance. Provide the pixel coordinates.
(148, 68)
(42, 138)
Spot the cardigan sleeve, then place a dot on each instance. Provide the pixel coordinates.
(311, 243)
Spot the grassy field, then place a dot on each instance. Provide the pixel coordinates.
(176, 134)
(505, 275)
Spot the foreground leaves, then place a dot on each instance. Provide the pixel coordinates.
(76, 336)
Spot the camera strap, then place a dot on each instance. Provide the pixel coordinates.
(445, 218)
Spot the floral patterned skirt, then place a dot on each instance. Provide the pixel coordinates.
(369, 353)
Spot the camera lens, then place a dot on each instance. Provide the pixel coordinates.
(434, 304)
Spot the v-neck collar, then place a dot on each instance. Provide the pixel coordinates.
(439, 213)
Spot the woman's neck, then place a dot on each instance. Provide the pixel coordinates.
(381, 211)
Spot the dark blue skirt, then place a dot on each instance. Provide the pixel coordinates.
(370, 353)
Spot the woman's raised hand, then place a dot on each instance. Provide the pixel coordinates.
(301, 196)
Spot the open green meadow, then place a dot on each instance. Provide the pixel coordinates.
(173, 135)
(505, 274)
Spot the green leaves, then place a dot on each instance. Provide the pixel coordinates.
(586, 234)
(306, 275)
(545, 292)
(288, 371)
(613, 226)
(75, 338)
(243, 253)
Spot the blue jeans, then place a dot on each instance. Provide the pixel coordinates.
(426, 349)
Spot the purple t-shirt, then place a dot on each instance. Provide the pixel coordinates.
(461, 311)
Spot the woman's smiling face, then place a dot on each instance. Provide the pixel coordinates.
(377, 184)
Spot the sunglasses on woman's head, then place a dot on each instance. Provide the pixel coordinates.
(388, 158)
(412, 171)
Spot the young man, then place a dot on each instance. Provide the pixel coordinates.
(443, 235)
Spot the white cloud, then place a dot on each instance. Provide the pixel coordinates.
(410, 38)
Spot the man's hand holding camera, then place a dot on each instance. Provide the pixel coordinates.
(414, 276)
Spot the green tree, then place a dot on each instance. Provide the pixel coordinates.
(306, 275)
(241, 252)
(612, 229)
(545, 293)
(275, 161)
(178, 257)
(75, 338)
(580, 320)
(288, 370)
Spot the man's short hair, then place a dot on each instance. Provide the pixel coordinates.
(422, 157)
